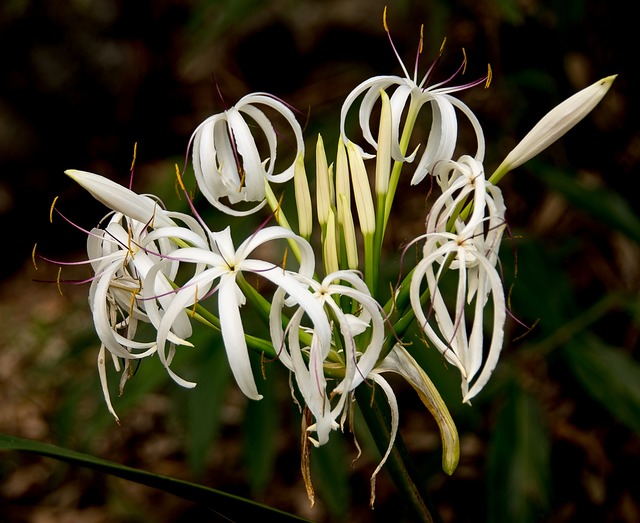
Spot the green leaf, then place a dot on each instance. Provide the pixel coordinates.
(205, 401)
(232, 507)
(610, 376)
(518, 466)
(329, 471)
(261, 429)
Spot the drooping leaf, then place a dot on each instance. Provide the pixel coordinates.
(232, 507)
(329, 472)
(205, 402)
(261, 429)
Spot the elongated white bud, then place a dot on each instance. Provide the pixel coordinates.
(554, 125)
(121, 199)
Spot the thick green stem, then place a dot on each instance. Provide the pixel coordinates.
(399, 463)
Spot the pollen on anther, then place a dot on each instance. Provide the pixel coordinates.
(489, 76)
(53, 204)
(58, 280)
(384, 19)
(133, 160)
(443, 44)
(179, 178)
(33, 256)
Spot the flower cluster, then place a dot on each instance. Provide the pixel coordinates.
(324, 314)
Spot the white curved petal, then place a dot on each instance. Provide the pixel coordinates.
(113, 341)
(442, 137)
(233, 336)
(267, 128)
(395, 416)
(266, 234)
(398, 101)
(374, 84)
(215, 167)
(475, 123)
(252, 186)
(437, 305)
(497, 335)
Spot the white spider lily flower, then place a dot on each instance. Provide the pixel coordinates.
(121, 254)
(443, 134)
(470, 246)
(554, 125)
(138, 235)
(307, 363)
(220, 270)
(461, 181)
(477, 280)
(227, 161)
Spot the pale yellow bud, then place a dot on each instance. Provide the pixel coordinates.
(361, 190)
(383, 156)
(348, 230)
(324, 194)
(330, 245)
(303, 198)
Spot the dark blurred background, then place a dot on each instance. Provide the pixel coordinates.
(82, 81)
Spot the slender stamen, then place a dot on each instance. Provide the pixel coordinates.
(460, 70)
(418, 53)
(432, 67)
(395, 51)
(75, 225)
